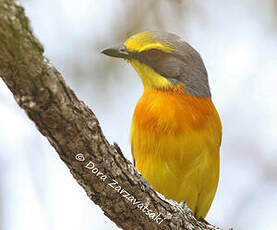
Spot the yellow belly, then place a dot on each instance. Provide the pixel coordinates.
(175, 140)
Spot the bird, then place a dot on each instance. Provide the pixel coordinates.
(176, 130)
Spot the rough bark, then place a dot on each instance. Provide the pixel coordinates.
(73, 130)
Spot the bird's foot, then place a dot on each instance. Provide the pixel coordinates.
(204, 221)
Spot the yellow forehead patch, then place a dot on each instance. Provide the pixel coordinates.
(145, 41)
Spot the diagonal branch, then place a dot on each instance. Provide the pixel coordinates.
(108, 178)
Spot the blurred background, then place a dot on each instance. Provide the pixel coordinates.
(238, 43)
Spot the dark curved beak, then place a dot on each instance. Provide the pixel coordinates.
(118, 51)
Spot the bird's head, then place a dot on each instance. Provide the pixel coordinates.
(164, 61)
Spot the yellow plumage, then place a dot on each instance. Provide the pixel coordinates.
(176, 147)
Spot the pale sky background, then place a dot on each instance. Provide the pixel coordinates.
(238, 43)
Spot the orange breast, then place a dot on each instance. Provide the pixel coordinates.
(175, 140)
(173, 112)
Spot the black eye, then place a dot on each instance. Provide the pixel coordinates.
(153, 54)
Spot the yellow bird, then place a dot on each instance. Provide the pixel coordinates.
(176, 130)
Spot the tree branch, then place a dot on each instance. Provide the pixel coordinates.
(108, 178)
